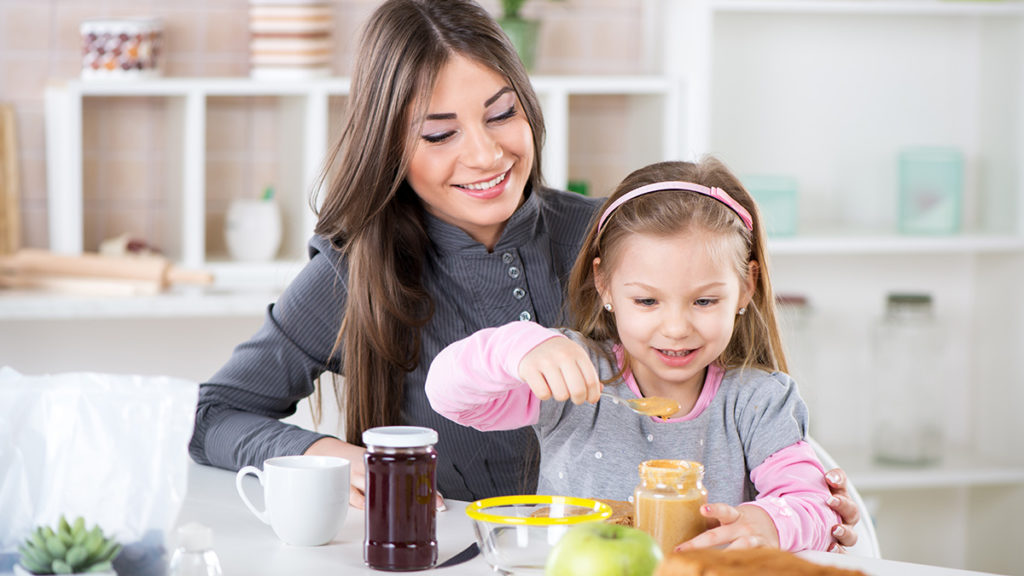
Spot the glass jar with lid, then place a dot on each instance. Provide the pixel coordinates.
(908, 380)
(401, 496)
(668, 501)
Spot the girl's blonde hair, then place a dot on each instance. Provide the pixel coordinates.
(370, 213)
(756, 340)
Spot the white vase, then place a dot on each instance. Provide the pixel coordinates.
(253, 229)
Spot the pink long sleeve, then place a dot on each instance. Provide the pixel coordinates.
(475, 381)
(791, 489)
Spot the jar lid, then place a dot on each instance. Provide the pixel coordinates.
(400, 436)
(194, 537)
(912, 298)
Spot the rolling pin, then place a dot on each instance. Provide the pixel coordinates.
(33, 263)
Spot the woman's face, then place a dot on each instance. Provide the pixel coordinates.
(473, 151)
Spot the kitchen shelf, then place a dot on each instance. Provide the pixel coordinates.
(187, 302)
(879, 7)
(304, 109)
(958, 469)
(895, 245)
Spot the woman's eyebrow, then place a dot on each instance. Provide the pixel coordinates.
(452, 116)
(497, 95)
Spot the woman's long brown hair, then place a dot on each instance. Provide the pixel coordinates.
(756, 340)
(371, 214)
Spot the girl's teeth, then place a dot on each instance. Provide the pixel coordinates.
(675, 353)
(485, 185)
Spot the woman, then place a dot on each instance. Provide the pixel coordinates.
(434, 225)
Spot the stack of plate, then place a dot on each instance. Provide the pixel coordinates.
(290, 39)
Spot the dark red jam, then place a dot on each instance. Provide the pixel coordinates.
(400, 508)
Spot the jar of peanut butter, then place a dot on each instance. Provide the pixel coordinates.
(668, 501)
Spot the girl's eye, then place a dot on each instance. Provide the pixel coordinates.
(439, 137)
(645, 301)
(705, 301)
(511, 112)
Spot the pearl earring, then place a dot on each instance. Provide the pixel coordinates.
(742, 311)
(608, 307)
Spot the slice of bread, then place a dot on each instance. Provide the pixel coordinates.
(759, 561)
(622, 512)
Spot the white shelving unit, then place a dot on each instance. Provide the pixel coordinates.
(304, 119)
(828, 92)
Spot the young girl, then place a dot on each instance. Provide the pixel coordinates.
(671, 297)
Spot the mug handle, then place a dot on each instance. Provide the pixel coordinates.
(261, 514)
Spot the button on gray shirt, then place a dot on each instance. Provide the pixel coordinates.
(524, 277)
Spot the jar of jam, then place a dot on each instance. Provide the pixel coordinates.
(668, 501)
(401, 527)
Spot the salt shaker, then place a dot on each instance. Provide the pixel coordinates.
(193, 554)
(401, 494)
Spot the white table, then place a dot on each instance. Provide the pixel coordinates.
(248, 547)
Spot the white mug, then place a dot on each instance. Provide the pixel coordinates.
(305, 497)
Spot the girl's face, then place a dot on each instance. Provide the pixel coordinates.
(474, 151)
(675, 301)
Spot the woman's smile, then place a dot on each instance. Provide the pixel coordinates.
(487, 189)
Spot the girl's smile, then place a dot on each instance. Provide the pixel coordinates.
(676, 358)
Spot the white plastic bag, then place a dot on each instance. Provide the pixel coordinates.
(110, 448)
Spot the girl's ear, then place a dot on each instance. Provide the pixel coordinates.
(750, 284)
(599, 280)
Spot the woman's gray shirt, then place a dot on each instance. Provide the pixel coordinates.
(523, 278)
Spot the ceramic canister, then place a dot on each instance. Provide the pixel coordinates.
(121, 48)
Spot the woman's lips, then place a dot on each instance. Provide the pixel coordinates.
(486, 189)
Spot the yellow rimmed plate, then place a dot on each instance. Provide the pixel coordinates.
(563, 510)
(517, 532)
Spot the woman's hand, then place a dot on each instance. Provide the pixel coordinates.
(845, 507)
(734, 527)
(331, 446)
(561, 369)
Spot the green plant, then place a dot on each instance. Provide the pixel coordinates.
(510, 9)
(71, 549)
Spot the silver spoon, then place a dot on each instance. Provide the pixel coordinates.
(653, 406)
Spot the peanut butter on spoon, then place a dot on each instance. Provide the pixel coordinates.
(654, 406)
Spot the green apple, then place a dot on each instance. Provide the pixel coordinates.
(599, 549)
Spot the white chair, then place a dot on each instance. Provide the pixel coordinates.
(867, 539)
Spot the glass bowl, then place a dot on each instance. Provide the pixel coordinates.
(515, 533)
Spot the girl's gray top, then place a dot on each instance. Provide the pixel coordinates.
(595, 449)
(523, 278)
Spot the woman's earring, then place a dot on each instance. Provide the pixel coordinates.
(608, 307)
(742, 311)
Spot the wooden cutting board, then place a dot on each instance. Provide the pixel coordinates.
(10, 216)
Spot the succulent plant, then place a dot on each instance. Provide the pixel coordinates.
(71, 549)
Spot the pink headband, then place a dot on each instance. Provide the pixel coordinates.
(716, 193)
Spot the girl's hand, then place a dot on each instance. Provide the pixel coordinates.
(735, 527)
(561, 369)
(845, 507)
